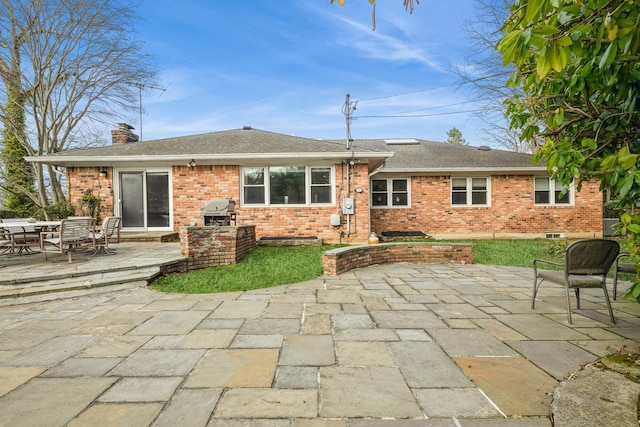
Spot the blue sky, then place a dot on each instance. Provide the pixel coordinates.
(285, 66)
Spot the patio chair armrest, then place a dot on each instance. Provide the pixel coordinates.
(623, 267)
(48, 235)
(544, 261)
(622, 255)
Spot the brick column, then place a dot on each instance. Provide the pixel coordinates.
(212, 246)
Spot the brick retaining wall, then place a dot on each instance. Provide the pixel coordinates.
(340, 260)
(212, 246)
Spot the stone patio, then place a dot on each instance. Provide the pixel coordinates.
(392, 345)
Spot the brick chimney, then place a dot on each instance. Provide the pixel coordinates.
(123, 134)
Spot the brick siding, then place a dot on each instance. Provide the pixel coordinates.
(512, 212)
(213, 246)
(83, 180)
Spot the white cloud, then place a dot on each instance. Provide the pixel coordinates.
(286, 67)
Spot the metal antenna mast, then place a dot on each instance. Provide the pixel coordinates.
(140, 87)
(347, 202)
(348, 108)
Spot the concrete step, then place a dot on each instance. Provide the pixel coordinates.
(79, 282)
(65, 294)
(149, 236)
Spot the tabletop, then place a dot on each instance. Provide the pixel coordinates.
(25, 224)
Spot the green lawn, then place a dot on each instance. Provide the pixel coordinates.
(517, 253)
(265, 266)
(268, 266)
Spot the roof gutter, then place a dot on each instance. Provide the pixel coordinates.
(448, 171)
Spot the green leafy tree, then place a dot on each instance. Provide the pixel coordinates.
(18, 191)
(454, 137)
(578, 65)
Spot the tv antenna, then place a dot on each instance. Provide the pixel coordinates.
(348, 108)
(141, 86)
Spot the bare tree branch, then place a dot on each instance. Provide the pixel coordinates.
(483, 77)
(77, 63)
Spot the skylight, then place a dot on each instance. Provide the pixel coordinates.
(402, 141)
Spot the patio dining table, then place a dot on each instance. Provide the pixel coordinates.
(35, 224)
(24, 245)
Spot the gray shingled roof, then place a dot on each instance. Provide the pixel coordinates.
(240, 146)
(236, 141)
(439, 156)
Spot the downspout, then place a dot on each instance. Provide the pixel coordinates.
(347, 195)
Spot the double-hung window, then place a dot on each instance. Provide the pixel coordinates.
(390, 192)
(321, 188)
(287, 185)
(253, 186)
(470, 191)
(551, 192)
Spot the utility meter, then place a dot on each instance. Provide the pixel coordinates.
(348, 206)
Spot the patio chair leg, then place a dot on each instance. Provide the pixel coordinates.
(577, 298)
(568, 306)
(536, 285)
(606, 297)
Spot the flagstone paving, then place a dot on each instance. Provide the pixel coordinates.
(389, 346)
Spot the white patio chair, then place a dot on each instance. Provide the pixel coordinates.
(72, 234)
(107, 234)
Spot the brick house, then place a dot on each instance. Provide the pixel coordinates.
(295, 187)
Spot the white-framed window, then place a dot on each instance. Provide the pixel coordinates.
(551, 192)
(470, 191)
(321, 185)
(287, 185)
(391, 192)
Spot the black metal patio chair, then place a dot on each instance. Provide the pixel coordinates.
(586, 265)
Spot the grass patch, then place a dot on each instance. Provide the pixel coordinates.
(268, 266)
(264, 267)
(517, 253)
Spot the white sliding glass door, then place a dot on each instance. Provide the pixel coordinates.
(144, 199)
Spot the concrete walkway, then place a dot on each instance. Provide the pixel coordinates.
(395, 345)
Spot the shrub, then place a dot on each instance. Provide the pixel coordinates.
(60, 210)
(613, 209)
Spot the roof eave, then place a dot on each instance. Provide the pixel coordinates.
(223, 159)
(464, 170)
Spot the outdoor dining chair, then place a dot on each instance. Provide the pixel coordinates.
(23, 238)
(586, 265)
(73, 233)
(107, 233)
(6, 244)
